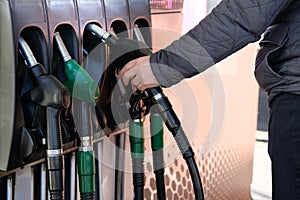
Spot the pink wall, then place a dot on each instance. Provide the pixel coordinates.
(222, 122)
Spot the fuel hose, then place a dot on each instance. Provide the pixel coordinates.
(137, 154)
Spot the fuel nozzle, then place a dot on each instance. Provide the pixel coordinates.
(48, 91)
(123, 50)
(52, 94)
(78, 81)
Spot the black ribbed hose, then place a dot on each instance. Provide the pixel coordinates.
(157, 145)
(55, 164)
(120, 161)
(159, 176)
(136, 138)
(188, 155)
(164, 107)
(85, 154)
(138, 178)
(87, 196)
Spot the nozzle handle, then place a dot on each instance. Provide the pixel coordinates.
(26, 52)
(62, 47)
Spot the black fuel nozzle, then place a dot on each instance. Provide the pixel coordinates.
(49, 91)
(52, 94)
(121, 50)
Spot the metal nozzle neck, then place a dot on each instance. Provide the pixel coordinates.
(26, 52)
(138, 34)
(61, 47)
(99, 32)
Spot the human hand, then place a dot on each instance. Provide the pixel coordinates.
(139, 73)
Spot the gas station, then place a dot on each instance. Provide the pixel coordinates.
(69, 129)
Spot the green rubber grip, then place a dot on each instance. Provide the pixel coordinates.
(136, 139)
(81, 85)
(86, 172)
(157, 132)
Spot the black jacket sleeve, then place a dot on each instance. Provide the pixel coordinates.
(230, 26)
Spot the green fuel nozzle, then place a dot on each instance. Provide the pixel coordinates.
(84, 88)
(78, 81)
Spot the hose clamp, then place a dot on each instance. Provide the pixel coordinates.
(142, 119)
(54, 152)
(157, 96)
(86, 141)
(86, 149)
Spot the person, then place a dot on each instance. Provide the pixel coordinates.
(230, 26)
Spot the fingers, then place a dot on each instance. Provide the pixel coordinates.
(132, 68)
(139, 73)
(128, 75)
(131, 64)
(145, 86)
(134, 63)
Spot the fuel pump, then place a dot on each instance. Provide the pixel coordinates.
(49, 92)
(127, 50)
(85, 89)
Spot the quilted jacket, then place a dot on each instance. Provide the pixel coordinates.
(229, 27)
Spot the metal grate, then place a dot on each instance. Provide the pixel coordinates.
(225, 171)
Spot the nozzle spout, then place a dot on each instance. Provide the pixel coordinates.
(61, 47)
(99, 32)
(27, 53)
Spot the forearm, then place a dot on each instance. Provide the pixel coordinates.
(229, 27)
